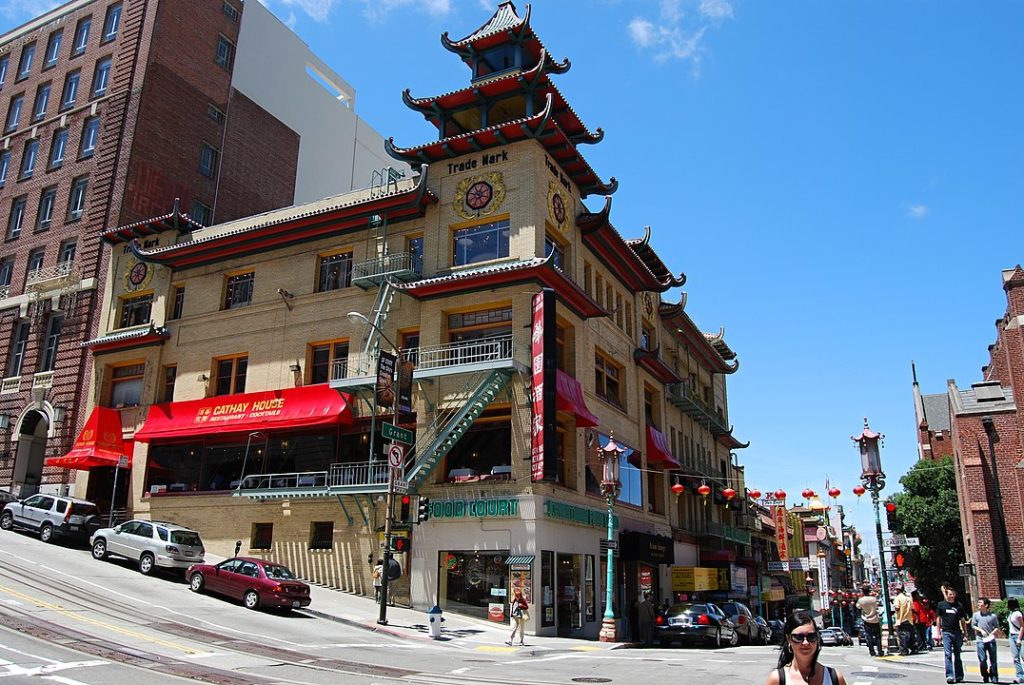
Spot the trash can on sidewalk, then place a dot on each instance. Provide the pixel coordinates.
(435, 615)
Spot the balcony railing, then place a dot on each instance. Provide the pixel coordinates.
(402, 266)
(51, 277)
(10, 385)
(348, 476)
(483, 351)
(42, 380)
(736, 535)
(686, 398)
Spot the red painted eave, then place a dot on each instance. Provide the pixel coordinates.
(653, 364)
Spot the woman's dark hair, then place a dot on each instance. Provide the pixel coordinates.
(794, 621)
(1012, 604)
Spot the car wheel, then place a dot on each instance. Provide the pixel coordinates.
(196, 582)
(99, 549)
(716, 640)
(146, 564)
(735, 639)
(251, 598)
(46, 532)
(7, 520)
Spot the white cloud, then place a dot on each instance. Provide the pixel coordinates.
(716, 9)
(917, 211)
(378, 10)
(671, 11)
(291, 21)
(642, 32)
(318, 10)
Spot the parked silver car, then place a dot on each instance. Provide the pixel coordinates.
(52, 516)
(153, 544)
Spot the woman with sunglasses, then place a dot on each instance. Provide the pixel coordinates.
(798, 662)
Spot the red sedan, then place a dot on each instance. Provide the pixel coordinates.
(255, 582)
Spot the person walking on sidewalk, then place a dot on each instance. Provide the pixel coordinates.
(519, 611)
(868, 606)
(378, 574)
(928, 616)
(985, 625)
(952, 618)
(1016, 621)
(904, 620)
(645, 617)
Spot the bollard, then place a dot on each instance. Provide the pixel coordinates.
(435, 617)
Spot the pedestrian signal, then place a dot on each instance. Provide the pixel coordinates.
(899, 560)
(400, 544)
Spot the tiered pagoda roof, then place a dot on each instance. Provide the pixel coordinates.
(634, 262)
(506, 26)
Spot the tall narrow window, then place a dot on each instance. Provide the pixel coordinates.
(202, 213)
(607, 379)
(53, 49)
(19, 342)
(81, 36)
(70, 94)
(28, 158)
(335, 272)
(57, 147)
(328, 361)
(225, 53)
(231, 374)
(5, 62)
(170, 375)
(44, 216)
(230, 10)
(238, 290)
(111, 23)
(135, 311)
(13, 113)
(17, 217)
(35, 263)
(76, 201)
(178, 302)
(126, 385)
(208, 156)
(90, 136)
(66, 257)
(48, 361)
(101, 77)
(6, 271)
(28, 53)
(42, 102)
(5, 165)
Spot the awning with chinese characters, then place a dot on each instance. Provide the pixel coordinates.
(99, 444)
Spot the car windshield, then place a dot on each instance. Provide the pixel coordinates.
(278, 572)
(82, 509)
(186, 537)
(688, 608)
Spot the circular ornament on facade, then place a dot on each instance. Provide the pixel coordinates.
(649, 304)
(479, 195)
(558, 206)
(137, 275)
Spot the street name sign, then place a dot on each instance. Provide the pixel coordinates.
(609, 545)
(402, 487)
(901, 541)
(392, 432)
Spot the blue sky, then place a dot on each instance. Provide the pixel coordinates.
(840, 181)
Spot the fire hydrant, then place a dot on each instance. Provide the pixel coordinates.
(435, 618)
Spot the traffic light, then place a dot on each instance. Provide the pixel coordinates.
(399, 544)
(890, 516)
(423, 511)
(403, 514)
(899, 559)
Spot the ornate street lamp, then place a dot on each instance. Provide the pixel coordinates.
(873, 478)
(609, 456)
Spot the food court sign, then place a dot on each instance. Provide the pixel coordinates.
(496, 507)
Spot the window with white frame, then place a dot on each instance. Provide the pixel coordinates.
(13, 113)
(101, 77)
(16, 217)
(47, 199)
(5, 165)
(208, 156)
(90, 137)
(53, 48)
(28, 53)
(238, 290)
(48, 359)
(66, 256)
(42, 102)
(28, 158)
(225, 53)
(57, 147)
(5, 62)
(81, 36)
(70, 93)
(111, 23)
(76, 201)
(19, 343)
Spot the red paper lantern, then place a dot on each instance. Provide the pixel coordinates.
(834, 492)
(858, 490)
(677, 489)
(780, 494)
(755, 494)
(704, 490)
(728, 493)
(807, 493)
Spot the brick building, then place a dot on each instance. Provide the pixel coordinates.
(118, 110)
(985, 432)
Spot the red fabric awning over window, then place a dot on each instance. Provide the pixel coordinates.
(99, 444)
(569, 395)
(307, 407)
(658, 450)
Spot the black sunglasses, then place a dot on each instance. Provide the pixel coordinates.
(797, 638)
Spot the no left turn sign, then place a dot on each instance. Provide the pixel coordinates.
(396, 455)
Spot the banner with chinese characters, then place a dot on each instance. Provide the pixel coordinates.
(781, 531)
(543, 459)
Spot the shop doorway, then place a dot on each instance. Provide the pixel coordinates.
(101, 488)
(31, 451)
(569, 592)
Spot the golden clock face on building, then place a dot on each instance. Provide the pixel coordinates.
(137, 275)
(558, 206)
(478, 196)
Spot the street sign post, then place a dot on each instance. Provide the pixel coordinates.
(605, 545)
(392, 432)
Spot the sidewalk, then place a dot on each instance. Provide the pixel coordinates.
(456, 630)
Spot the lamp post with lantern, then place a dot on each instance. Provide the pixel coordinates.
(609, 456)
(873, 478)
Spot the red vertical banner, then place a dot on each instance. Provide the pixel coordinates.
(543, 461)
(781, 531)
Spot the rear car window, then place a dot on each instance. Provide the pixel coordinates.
(186, 537)
(278, 572)
(62, 506)
(162, 532)
(82, 509)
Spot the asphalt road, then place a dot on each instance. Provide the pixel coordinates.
(67, 618)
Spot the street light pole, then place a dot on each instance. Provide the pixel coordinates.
(610, 486)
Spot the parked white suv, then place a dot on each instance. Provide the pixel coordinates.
(153, 544)
(52, 516)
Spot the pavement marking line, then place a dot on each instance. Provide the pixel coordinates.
(63, 680)
(30, 656)
(95, 622)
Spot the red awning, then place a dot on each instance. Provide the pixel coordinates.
(99, 443)
(570, 400)
(658, 450)
(307, 407)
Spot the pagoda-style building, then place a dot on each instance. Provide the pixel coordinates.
(525, 332)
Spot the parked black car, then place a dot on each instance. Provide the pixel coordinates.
(778, 631)
(766, 631)
(694, 622)
(743, 618)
